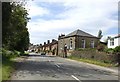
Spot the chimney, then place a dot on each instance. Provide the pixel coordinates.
(40, 44)
(44, 43)
(48, 41)
(53, 40)
(60, 36)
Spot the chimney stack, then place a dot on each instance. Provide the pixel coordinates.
(53, 40)
(44, 43)
(60, 36)
(48, 41)
(40, 44)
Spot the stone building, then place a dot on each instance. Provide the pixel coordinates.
(75, 40)
(51, 48)
(54, 47)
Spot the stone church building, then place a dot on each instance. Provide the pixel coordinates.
(75, 40)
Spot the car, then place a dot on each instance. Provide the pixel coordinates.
(43, 53)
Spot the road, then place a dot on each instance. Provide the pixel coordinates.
(37, 67)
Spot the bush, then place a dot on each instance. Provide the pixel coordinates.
(109, 50)
(117, 49)
(100, 47)
(79, 49)
(9, 54)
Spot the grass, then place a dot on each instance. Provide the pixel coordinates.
(100, 63)
(8, 65)
(0, 73)
(7, 69)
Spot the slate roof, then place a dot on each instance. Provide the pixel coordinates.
(117, 36)
(80, 33)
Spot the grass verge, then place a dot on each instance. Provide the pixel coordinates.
(8, 65)
(7, 69)
(100, 63)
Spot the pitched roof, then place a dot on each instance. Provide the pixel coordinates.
(117, 36)
(79, 33)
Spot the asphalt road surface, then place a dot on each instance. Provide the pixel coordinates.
(37, 67)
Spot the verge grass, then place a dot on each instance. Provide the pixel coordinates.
(7, 69)
(91, 61)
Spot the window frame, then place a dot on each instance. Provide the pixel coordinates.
(112, 42)
(92, 44)
(83, 43)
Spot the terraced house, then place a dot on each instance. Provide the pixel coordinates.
(75, 40)
(52, 47)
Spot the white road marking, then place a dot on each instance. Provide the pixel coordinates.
(75, 78)
(58, 66)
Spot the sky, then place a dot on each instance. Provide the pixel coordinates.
(50, 18)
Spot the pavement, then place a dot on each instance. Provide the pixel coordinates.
(38, 67)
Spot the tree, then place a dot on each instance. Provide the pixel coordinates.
(15, 34)
(6, 14)
(100, 34)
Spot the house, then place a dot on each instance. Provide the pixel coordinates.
(77, 39)
(44, 47)
(54, 47)
(51, 48)
(114, 41)
(40, 48)
(48, 45)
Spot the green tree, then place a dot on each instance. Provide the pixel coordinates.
(100, 34)
(6, 14)
(15, 33)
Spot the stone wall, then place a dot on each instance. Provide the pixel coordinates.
(93, 54)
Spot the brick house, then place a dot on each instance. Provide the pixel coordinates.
(75, 40)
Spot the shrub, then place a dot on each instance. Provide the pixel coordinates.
(79, 49)
(9, 54)
(100, 47)
(117, 49)
(109, 50)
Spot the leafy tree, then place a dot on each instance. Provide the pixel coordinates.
(100, 34)
(15, 34)
(6, 14)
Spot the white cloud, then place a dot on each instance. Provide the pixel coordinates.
(35, 10)
(89, 16)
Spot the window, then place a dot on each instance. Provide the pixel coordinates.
(61, 42)
(83, 43)
(71, 44)
(112, 42)
(92, 44)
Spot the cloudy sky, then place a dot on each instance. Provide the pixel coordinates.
(49, 18)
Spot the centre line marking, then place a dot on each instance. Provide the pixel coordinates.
(75, 78)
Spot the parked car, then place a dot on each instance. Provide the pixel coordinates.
(43, 53)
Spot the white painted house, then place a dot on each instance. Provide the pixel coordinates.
(114, 41)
